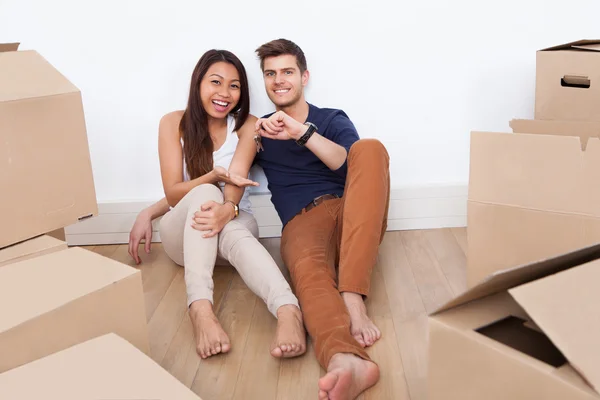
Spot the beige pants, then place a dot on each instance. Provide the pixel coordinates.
(237, 243)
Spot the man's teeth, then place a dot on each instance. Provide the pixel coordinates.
(282, 91)
(220, 103)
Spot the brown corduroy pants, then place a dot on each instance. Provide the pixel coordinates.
(333, 248)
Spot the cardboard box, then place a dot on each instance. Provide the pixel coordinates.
(531, 195)
(45, 169)
(35, 247)
(52, 302)
(568, 82)
(106, 367)
(58, 234)
(526, 333)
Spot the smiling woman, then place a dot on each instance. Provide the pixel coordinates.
(205, 153)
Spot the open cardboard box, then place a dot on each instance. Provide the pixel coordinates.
(568, 82)
(45, 168)
(531, 332)
(54, 301)
(533, 194)
(106, 367)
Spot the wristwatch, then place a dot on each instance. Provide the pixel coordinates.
(312, 128)
(236, 208)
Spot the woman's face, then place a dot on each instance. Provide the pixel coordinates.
(220, 89)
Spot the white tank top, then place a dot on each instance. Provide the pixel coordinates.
(223, 157)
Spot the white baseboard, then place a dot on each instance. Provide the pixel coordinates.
(428, 207)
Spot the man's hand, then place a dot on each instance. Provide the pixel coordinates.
(212, 217)
(142, 229)
(280, 126)
(222, 175)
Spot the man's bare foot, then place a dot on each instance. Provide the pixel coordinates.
(361, 326)
(210, 337)
(347, 377)
(290, 337)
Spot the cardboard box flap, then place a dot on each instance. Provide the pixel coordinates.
(26, 75)
(102, 368)
(9, 47)
(582, 129)
(586, 44)
(512, 277)
(37, 245)
(565, 307)
(549, 173)
(57, 279)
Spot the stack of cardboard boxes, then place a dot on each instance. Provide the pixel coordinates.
(72, 323)
(528, 327)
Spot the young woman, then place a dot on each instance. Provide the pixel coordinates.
(206, 152)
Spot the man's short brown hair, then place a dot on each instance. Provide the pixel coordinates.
(281, 47)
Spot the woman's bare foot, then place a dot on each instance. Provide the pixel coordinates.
(210, 337)
(290, 337)
(361, 326)
(347, 377)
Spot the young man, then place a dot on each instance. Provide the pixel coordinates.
(331, 191)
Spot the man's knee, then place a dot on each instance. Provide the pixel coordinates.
(371, 148)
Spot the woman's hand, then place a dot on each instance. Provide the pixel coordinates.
(222, 175)
(212, 217)
(141, 230)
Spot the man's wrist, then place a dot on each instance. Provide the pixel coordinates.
(311, 129)
(301, 131)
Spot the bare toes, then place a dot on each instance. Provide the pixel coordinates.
(277, 352)
(360, 340)
(225, 347)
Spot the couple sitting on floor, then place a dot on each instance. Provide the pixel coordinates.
(330, 189)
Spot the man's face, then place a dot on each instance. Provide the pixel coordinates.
(283, 81)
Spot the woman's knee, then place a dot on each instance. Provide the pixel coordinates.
(203, 193)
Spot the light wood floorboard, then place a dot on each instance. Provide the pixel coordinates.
(416, 272)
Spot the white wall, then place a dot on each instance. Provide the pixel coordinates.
(418, 75)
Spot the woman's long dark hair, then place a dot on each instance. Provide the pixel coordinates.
(198, 146)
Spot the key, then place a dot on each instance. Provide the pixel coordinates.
(258, 141)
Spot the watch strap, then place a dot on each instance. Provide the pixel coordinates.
(312, 128)
(236, 208)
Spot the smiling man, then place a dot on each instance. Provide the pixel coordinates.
(331, 191)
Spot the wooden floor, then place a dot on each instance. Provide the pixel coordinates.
(416, 272)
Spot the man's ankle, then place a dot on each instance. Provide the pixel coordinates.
(352, 296)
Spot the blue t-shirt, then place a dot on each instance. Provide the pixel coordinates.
(295, 175)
